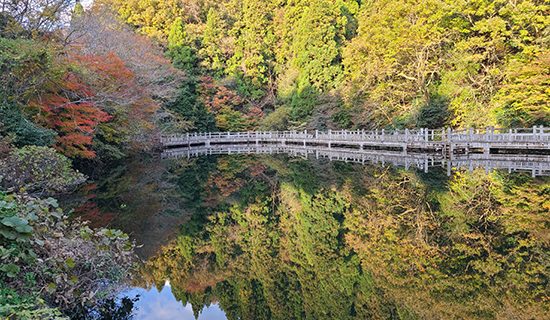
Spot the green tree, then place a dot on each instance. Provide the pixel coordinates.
(251, 63)
(180, 49)
(211, 53)
(486, 34)
(393, 62)
(523, 99)
(316, 40)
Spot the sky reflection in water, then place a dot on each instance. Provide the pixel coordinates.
(162, 305)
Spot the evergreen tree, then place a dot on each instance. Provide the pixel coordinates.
(252, 60)
(179, 47)
(316, 42)
(212, 56)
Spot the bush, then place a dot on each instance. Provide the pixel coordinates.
(71, 265)
(24, 132)
(276, 120)
(302, 103)
(38, 170)
(26, 307)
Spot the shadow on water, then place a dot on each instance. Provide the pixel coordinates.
(279, 237)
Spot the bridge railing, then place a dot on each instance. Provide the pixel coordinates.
(501, 135)
(514, 135)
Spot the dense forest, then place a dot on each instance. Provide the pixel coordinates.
(354, 64)
(85, 86)
(102, 81)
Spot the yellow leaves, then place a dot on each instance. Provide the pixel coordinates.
(153, 18)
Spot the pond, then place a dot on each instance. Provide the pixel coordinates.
(279, 237)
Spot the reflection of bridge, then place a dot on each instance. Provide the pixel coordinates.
(538, 165)
(528, 141)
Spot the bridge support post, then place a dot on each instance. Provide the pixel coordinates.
(406, 144)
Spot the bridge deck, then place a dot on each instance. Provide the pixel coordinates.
(536, 139)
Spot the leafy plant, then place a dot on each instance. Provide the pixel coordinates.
(68, 263)
(39, 170)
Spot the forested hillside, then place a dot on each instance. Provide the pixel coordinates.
(352, 63)
(96, 83)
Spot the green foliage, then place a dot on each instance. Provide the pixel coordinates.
(523, 99)
(228, 119)
(394, 63)
(39, 170)
(253, 52)
(302, 103)
(276, 120)
(390, 64)
(317, 37)
(486, 35)
(26, 307)
(65, 262)
(188, 106)
(180, 51)
(26, 65)
(212, 56)
(433, 114)
(24, 132)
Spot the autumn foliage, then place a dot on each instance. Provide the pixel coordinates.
(70, 111)
(230, 110)
(94, 91)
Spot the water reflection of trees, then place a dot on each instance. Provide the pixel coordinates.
(297, 239)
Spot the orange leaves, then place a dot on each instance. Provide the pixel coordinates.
(96, 89)
(109, 65)
(215, 97)
(69, 110)
(107, 73)
(231, 111)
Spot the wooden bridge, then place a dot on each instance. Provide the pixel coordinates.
(534, 140)
(537, 165)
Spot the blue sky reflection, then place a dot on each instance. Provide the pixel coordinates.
(164, 306)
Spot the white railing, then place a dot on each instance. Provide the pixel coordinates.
(537, 165)
(442, 136)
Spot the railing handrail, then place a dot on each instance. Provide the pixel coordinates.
(488, 134)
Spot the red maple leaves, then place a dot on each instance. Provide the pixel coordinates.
(94, 90)
(68, 109)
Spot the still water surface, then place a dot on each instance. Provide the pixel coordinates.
(273, 237)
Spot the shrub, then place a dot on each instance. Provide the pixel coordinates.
(276, 120)
(38, 170)
(71, 265)
(26, 307)
(25, 132)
